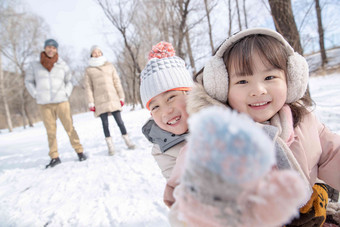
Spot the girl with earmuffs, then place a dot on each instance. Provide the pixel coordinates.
(258, 73)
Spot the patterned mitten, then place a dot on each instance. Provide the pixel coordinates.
(228, 178)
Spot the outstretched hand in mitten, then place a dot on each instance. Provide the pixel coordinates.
(230, 179)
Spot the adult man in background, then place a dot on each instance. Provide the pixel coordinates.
(49, 83)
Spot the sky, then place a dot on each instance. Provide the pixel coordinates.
(79, 24)
(76, 24)
(124, 190)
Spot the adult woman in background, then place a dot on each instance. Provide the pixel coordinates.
(105, 95)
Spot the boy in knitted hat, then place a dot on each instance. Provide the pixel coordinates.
(164, 85)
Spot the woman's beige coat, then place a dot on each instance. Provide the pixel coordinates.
(103, 88)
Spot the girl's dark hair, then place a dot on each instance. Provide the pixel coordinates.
(272, 52)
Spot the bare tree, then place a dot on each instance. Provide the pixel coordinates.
(238, 16)
(283, 17)
(183, 11)
(4, 98)
(2, 84)
(191, 56)
(207, 11)
(321, 34)
(154, 21)
(187, 14)
(121, 15)
(22, 35)
(245, 14)
(230, 18)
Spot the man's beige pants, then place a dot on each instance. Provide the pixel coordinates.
(50, 114)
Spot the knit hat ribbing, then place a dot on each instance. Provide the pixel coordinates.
(51, 42)
(162, 73)
(215, 75)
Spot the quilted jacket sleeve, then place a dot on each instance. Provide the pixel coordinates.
(30, 81)
(117, 84)
(329, 163)
(68, 81)
(89, 88)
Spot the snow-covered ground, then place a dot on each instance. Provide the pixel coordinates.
(325, 92)
(121, 190)
(124, 190)
(333, 57)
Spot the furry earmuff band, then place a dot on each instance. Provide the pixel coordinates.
(215, 75)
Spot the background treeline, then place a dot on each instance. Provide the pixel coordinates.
(194, 27)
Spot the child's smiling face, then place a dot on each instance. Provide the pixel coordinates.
(260, 95)
(96, 53)
(169, 111)
(51, 51)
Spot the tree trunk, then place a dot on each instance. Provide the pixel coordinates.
(230, 18)
(209, 26)
(321, 34)
(283, 17)
(183, 11)
(4, 99)
(191, 57)
(238, 16)
(138, 92)
(245, 14)
(134, 87)
(23, 112)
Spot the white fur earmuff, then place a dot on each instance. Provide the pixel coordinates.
(215, 75)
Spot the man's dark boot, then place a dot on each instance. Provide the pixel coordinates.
(53, 162)
(81, 156)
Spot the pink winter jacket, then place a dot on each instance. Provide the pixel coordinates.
(315, 148)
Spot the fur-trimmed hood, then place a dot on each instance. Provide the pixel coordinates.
(199, 99)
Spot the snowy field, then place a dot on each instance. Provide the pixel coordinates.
(124, 190)
(121, 190)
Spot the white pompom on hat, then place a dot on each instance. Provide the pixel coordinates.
(215, 75)
(163, 72)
